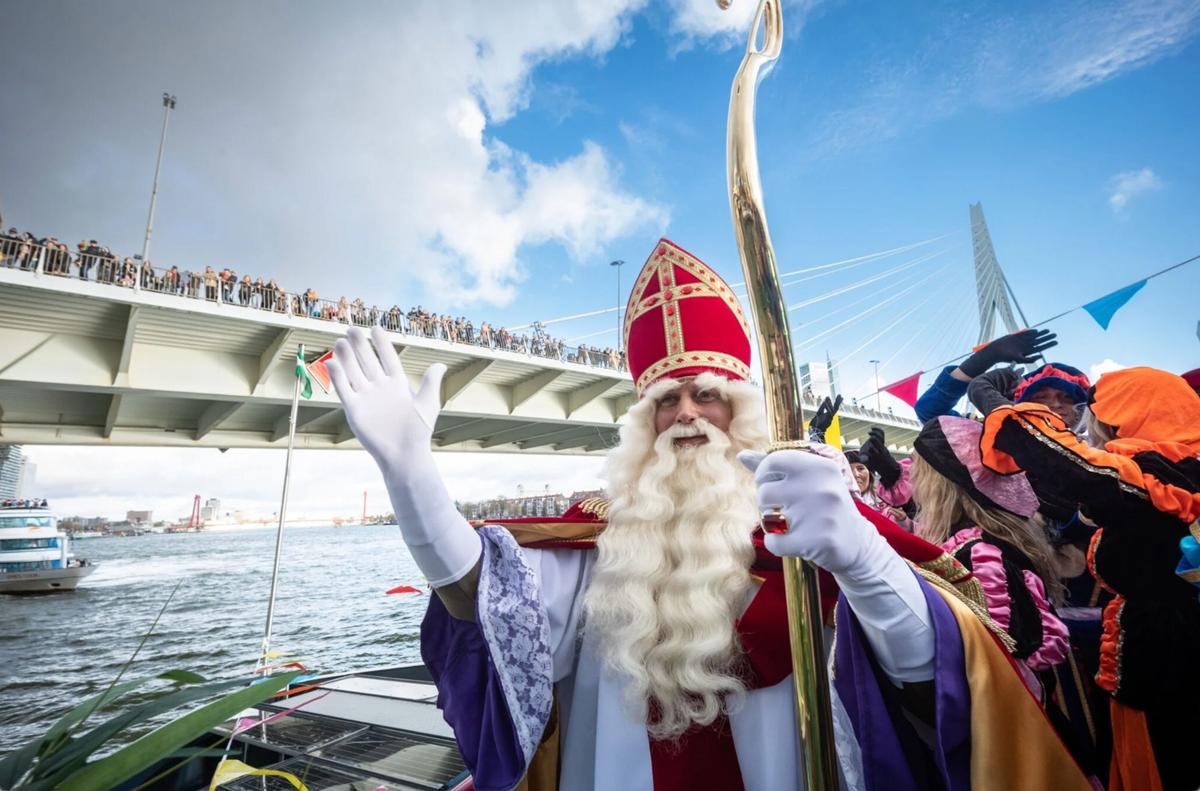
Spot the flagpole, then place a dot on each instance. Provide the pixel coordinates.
(287, 479)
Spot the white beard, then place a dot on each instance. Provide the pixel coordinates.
(672, 574)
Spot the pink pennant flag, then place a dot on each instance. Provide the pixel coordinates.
(905, 389)
(320, 373)
(403, 589)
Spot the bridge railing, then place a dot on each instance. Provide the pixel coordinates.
(111, 270)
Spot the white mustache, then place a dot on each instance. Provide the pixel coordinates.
(699, 428)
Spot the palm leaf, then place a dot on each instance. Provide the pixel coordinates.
(14, 765)
(74, 754)
(129, 760)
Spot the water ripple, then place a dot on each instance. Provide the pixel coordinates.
(331, 614)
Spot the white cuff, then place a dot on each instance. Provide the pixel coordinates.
(887, 599)
(450, 557)
(444, 546)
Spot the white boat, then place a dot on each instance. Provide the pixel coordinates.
(80, 535)
(34, 556)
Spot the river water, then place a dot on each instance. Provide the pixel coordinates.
(331, 613)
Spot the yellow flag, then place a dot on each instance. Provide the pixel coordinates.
(833, 434)
(229, 770)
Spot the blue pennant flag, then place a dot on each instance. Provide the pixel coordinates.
(1106, 307)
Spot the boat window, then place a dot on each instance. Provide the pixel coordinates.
(28, 543)
(26, 521)
(35, 565)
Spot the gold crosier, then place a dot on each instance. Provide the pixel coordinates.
(785, 418)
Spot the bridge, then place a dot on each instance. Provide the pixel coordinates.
(103, 363)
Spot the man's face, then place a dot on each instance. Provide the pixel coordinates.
(862, 476)
(1058, 402)
(687, 403)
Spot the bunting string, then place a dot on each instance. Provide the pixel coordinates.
(1101, 310)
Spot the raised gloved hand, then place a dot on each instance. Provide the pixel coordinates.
(825, 526)
(993, 389)
(395, 425)
(1020, 347)
(875, 455)
(823, 419)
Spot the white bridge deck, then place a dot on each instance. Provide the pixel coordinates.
(87, 363)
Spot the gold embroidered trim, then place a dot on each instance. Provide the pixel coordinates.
(691, 359)
(957, 575)
(672, 321)
(979, 610)
(595, 506)
(667, 255)
(1082, 462)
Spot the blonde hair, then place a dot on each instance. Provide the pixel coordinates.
(1098, 434)
(673, 565)
(944, 507)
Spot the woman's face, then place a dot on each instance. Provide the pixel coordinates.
(862, 476)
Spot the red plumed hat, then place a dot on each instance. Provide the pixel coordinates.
(683, 319)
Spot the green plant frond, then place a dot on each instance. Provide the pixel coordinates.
(163, 741)
(16, 764)
(73, 755)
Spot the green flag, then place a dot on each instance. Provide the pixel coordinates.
(303, 374)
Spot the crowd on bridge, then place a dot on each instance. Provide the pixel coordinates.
(93, 261)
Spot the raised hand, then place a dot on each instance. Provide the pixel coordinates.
(1020, 347)
(393, 423)
(993, 389)
(823, 419)
(875, 455)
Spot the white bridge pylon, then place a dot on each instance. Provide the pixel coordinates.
(85, 363)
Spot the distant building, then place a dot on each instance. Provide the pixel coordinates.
(28, 481)
(139, 517)
(513, 507)
(12, 473)
(211, 510)
(818, 379)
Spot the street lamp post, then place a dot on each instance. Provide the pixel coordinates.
(878, 408)
(620, 335)
(168, 105)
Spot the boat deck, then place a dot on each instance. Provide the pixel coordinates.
(358, 732)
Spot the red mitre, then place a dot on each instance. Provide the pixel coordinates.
(683, 319)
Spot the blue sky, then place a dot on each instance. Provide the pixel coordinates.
(491, 159)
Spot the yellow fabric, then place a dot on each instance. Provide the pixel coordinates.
(833, 434)
(1013, 745)
(229, 770)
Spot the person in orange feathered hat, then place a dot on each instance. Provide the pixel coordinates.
(1138, 479)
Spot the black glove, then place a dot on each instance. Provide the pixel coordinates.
(823, 419)
(1020, 347)
(875, 455)
(993, 389)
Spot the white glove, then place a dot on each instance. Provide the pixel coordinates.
(824, 526)
(395, 426)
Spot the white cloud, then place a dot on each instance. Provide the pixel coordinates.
(1107, 365)
(704, 22)
(990, 57)
(96, 481)
(1127, 185)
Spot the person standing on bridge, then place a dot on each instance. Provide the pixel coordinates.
(641, 642)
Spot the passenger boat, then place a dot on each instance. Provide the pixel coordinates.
(34, 556)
